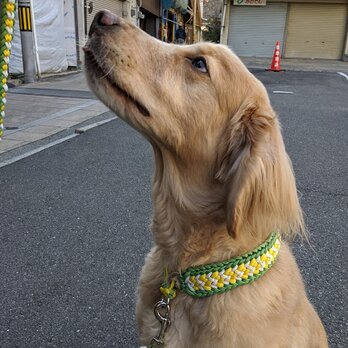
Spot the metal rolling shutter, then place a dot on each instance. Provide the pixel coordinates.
(114, 6)
(316, 31)
(253, 31)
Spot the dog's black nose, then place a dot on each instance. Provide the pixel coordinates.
(103, 18)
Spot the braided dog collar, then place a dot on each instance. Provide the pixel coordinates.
(216, 278)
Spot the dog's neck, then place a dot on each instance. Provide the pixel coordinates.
(189, 224)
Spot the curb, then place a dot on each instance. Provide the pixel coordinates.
(85, 129)
(54, 139)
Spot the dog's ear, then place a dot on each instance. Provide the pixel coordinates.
(240, 159)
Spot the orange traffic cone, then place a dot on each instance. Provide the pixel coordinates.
(275, 66)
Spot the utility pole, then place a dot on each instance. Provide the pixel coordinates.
(27, 39)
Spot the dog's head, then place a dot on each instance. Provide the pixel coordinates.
(205, 114)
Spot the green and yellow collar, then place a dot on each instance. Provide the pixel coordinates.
(216, 278)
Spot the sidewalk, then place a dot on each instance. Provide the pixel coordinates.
(294, 64)
(39, 110)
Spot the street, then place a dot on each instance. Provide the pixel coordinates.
(74, 222)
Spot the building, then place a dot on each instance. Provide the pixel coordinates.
(87, 9)
(62, 30)
(54, 35)
(184, 12)
(62, 27)
(150, 17)
(315, 29)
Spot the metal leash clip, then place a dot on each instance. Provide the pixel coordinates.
(162, 313)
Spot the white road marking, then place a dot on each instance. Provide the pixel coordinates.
(282, 92)
(39, 149)
(342, 74)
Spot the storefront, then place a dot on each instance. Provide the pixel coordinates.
(254, 30)
(93, 7)
(186, 13)
(150, 17)
(316, 31)
(306, 29)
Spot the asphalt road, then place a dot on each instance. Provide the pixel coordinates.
(74, 223)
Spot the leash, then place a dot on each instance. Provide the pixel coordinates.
(8, 8)
(212, 279)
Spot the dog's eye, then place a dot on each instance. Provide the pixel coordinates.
(200, 64)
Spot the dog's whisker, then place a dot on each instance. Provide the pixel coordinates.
(107, 74)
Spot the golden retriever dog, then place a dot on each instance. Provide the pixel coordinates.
(222, 183)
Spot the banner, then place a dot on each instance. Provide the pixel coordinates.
(249, 2)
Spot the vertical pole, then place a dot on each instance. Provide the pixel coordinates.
(77, 37)
(25, 26)
(36, 48)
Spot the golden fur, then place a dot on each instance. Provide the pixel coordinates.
(222, 183)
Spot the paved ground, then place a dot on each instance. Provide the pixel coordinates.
(296, 64)
(74, 223)
(36, 111)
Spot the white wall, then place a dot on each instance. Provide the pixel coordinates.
(69, 30)
(49, 21)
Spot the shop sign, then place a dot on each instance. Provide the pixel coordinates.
(250, 2)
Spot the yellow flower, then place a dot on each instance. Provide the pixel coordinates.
(3, 81)
(8, 37)
(7, 53)
(5, 67)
